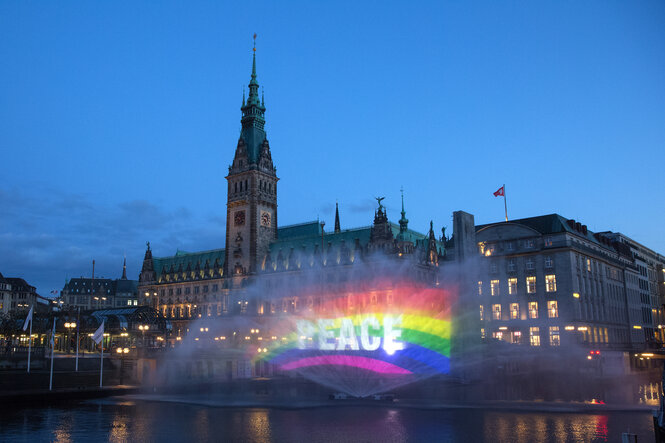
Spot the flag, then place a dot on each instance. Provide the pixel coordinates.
(500, 192)
(53, 335)
(28, 319)
(99, 334)
(55, 291)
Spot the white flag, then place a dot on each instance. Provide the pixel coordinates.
(98, 336)
(28, 319)
(53, 335)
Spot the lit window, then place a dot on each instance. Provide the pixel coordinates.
(552, 309)
(554, 336)
(548, 262)
(588, 265)
(498, 335)
(550, 283)
(531, 285)
(494, 287)
(517, 337)
(533, 309)
(512, 285)
(480, 288)
(548, 241)
(534, 335)
(482, 333)
(129, 302)
(496, 312)
(482, 313)
(514, 311)
(136, 302)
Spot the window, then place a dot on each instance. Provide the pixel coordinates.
(170, 291)
(517, 337)
(588, 265)
(552, 309)
(196, 289)
(509, 246)
(512, 285)
(528, 243)
(548, 241)
(480, 288)
(482, 313)
(514, 311)
(554, 336)
(187, 291)
(511, 265)
(550, 283)
(178, 291)
(494, 287)
(496, 312)
(214, 288)
(531, 285)
(533, 309)
(205, 288)
(529, 264)
(498, 335)
(534, 335)
(129, 302)
(493, 268)
(548, 262)
(482, 333)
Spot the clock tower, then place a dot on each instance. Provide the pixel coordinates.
(251, 208)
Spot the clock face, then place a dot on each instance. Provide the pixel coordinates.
(265, 218)
(239, 218)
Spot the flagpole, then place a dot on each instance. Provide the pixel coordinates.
(101, 361)
(50, 379)
(505, 205)
(29, 345)
(78, 327)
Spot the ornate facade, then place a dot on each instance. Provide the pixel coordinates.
(261, 258)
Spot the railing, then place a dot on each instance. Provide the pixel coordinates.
(19, 352)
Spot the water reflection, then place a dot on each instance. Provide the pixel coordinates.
(164, 421)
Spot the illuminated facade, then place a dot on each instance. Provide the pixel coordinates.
(551, 282)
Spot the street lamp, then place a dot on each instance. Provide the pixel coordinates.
(143, 328)
(69, 327)
(122, 352)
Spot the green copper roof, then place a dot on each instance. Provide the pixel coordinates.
(182, 260)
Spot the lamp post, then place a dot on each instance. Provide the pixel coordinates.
(69, 327)
(143, 328)
(122, 352)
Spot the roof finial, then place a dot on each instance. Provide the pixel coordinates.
(337, 226)
(254, 49)
(262, 101)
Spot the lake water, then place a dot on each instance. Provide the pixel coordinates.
(121, 420)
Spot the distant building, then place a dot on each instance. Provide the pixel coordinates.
(100, 293)
(18, 295)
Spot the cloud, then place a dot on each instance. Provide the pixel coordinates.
(47, 235)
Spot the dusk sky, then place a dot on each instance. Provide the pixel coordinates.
(118, 120)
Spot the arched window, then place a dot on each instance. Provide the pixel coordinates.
(246, 185)
(236, 186)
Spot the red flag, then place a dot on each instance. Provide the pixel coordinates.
(500, 192)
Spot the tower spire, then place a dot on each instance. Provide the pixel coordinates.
(403, 222)
(337, 227)
(124, 268)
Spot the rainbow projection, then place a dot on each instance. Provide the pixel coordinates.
(370, 341)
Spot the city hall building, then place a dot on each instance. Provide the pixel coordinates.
(260, 254)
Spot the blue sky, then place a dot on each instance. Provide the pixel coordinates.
(118, 120)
